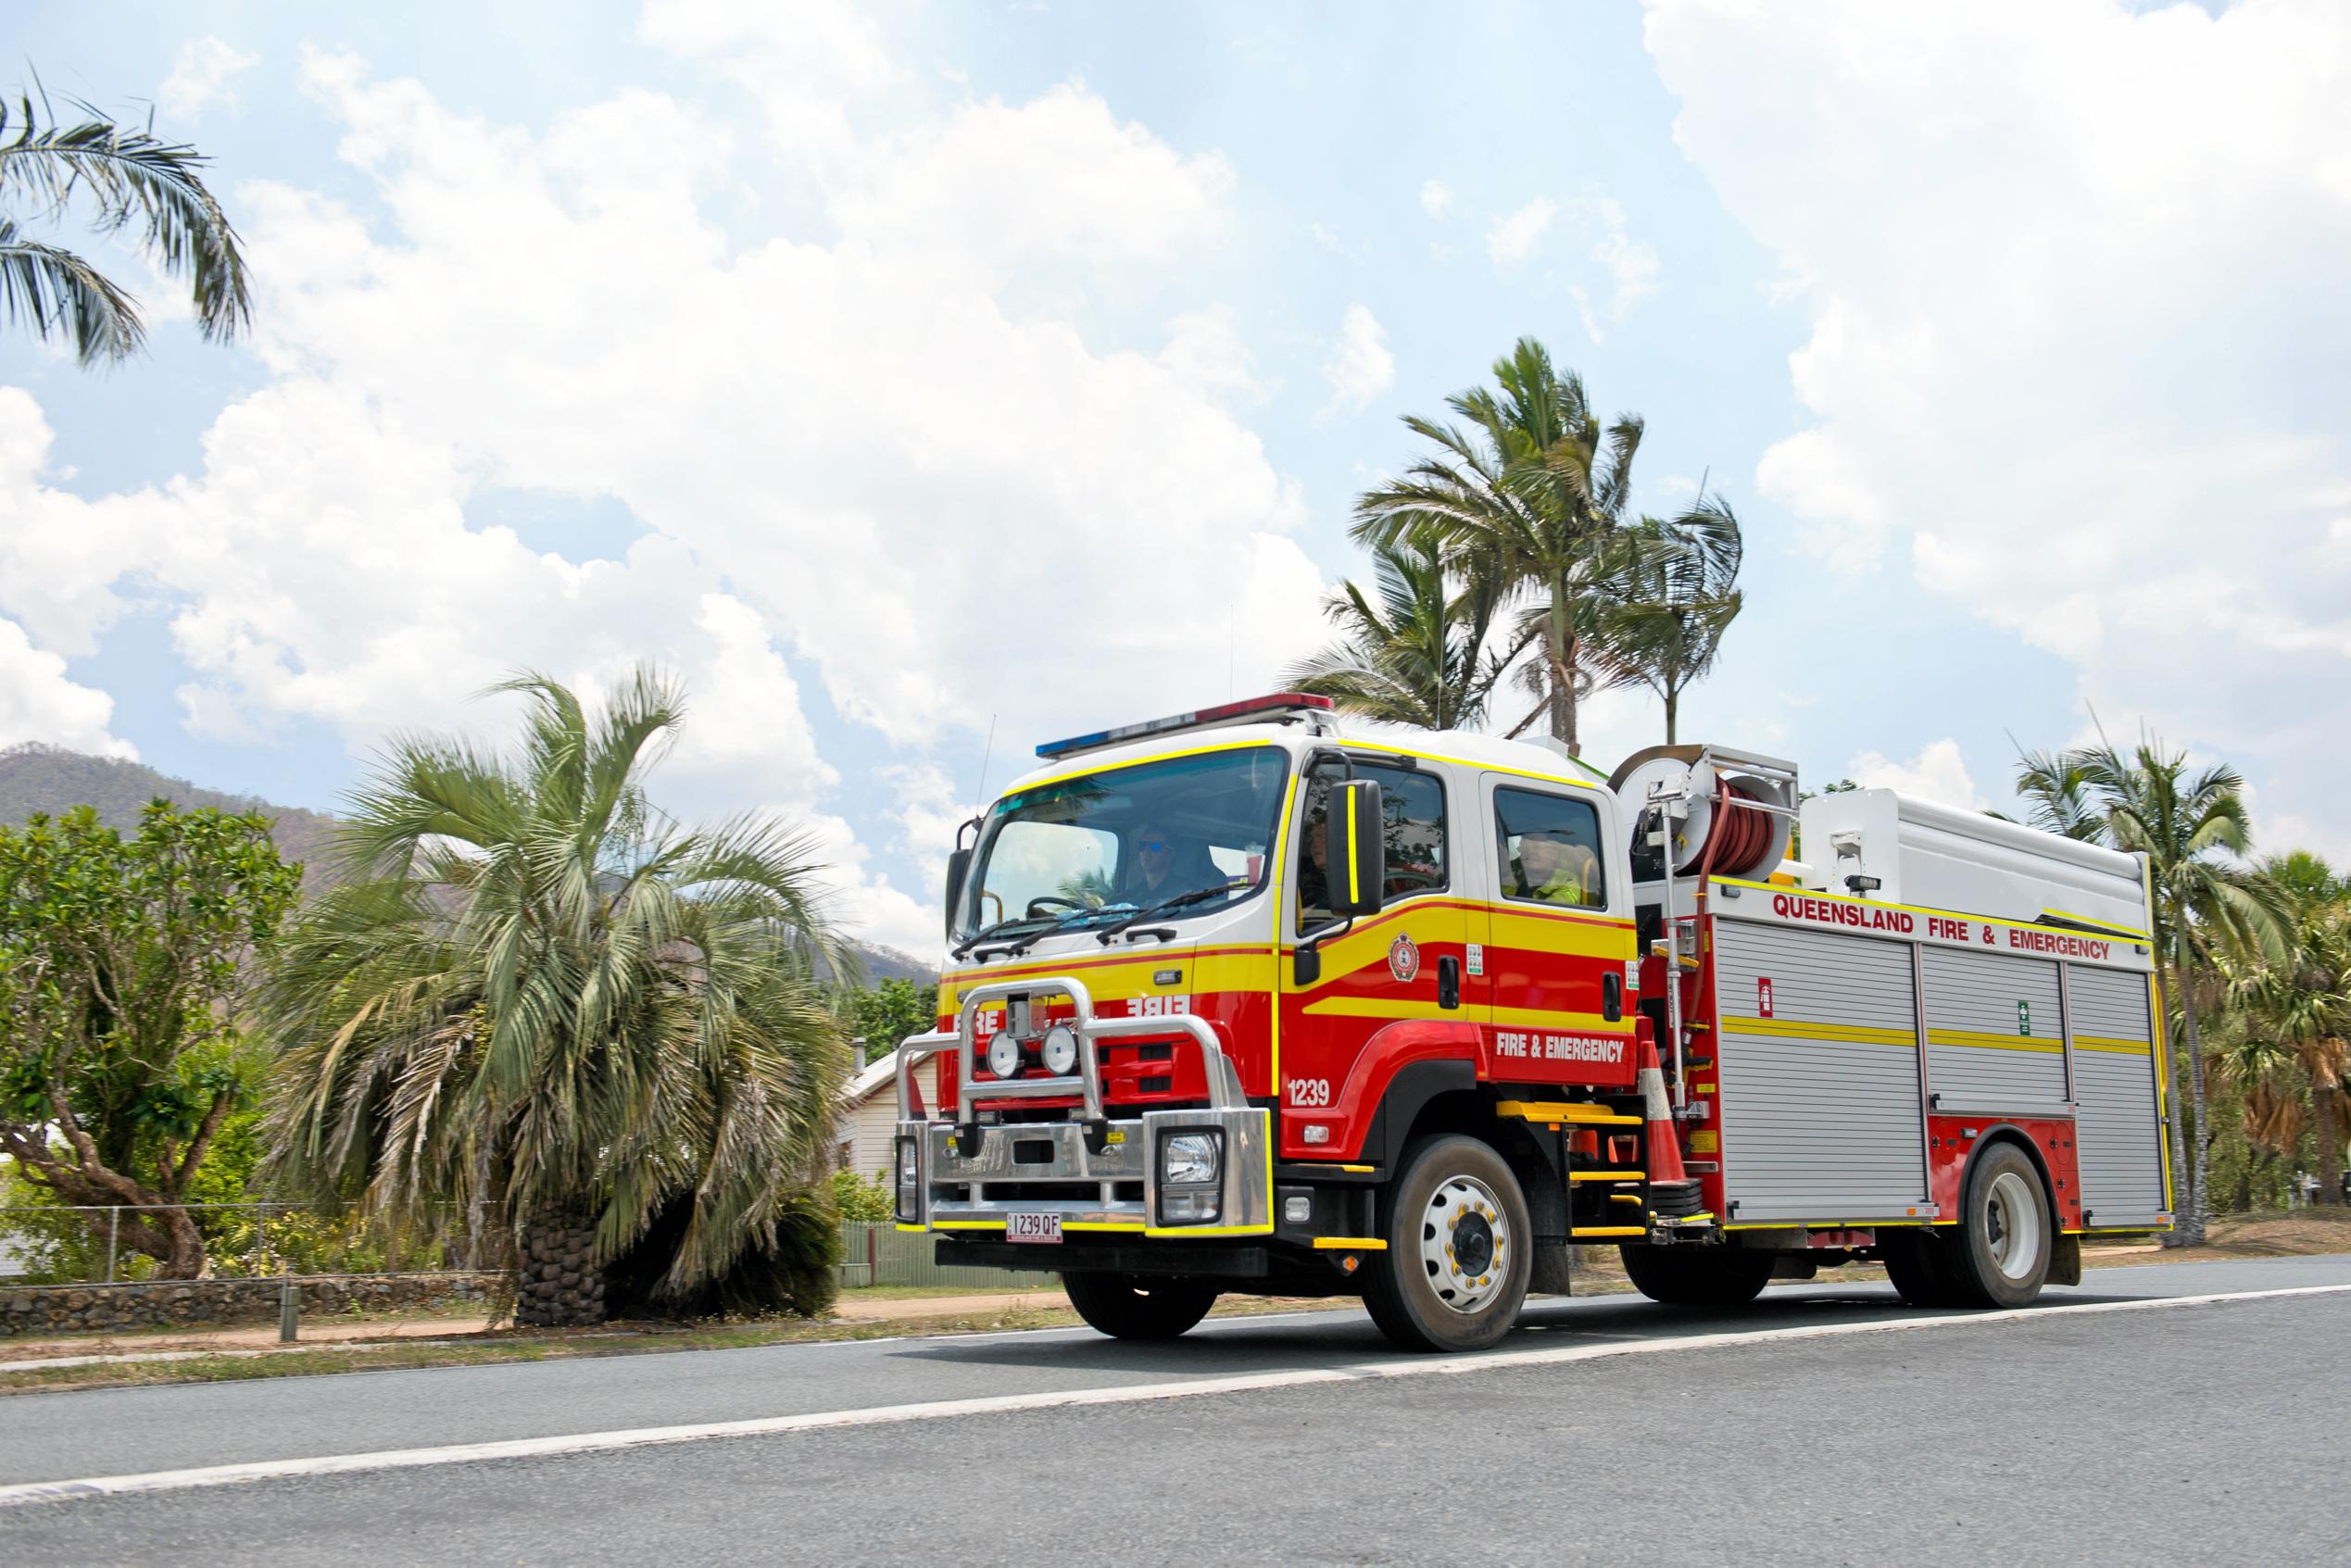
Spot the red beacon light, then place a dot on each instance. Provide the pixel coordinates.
(1280, 702)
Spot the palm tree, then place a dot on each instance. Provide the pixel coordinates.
(2054, 784)
(1416, 653)
(1676, 595)
(2190, 826)
(2302, 1000)
(1535, 487)
(539, 1003)
(130, 176)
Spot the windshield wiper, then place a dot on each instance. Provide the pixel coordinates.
(1095, 912)
(1164, 905)
(1001, 928)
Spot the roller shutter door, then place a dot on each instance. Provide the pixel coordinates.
(2117, 1133)
(1821, 1110)
(1995, 1035)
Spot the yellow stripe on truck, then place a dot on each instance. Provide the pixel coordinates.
(1808, 1030)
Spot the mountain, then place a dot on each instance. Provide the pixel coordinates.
(47, 778)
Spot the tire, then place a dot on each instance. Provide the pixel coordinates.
(1139, 1306)
(1460, 1250)
(2006, 1237)
(1697, 1276)
(1920, 1266)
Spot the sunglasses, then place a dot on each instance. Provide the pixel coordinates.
(1154, 847)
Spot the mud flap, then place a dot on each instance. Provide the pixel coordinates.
(2065, 1262)
(1551, 1269)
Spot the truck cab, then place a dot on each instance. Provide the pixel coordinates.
(1180, 1041)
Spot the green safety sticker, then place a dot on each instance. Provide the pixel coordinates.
(2024, 1018)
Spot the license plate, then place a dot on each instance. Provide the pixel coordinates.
(1033, 1227)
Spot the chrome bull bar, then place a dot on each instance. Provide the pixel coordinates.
(1224, 1079)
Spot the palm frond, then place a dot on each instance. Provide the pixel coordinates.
(132, 178)
(56, 291)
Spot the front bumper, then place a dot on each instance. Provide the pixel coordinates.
(1048, 1168)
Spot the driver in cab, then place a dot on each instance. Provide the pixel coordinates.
(1160, 866)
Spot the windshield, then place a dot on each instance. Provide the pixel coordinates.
(1090, 850)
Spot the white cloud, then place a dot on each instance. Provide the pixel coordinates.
(1512, 238)
(2076, 334)
(1629, 265)
(203, 73)
(1205, 351)
(866, 441)
(38, 703)
(1360, 367)
(1937, 773)
(1435, 199)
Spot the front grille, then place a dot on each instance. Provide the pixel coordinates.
(1040, 1192)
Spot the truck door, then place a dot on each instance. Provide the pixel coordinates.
(1408, 961)
(1560, 935)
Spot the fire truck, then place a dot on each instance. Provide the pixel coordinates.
(1264, 998)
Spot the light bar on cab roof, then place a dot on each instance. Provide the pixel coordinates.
(1280, 702)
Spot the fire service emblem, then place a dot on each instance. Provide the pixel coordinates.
(1403, 960)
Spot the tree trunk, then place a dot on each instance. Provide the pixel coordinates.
(186, 1258)
(2182, 1159)
(2199, 1194)
(2323, 1124)
(1559, 652)
(1673, 702)
(557, 1283)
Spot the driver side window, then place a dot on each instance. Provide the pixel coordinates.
(1413, 809)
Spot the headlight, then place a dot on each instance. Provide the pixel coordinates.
(907, 1206)
(1004, 1055)
(1061, 1050)
(1189, 1158)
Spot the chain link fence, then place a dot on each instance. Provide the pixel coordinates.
(86, 1244)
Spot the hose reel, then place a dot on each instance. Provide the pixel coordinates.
(1717, 814)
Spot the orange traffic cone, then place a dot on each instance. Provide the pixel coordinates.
(1658, 1115)
(1672, 1193)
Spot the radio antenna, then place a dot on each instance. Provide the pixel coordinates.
(979, 796)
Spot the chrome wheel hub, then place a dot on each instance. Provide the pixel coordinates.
(2012, 1225)
(1466, 1243)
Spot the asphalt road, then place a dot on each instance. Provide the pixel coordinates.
(2192, 1433)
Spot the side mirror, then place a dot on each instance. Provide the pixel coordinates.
(959, 866)
(1359, 830)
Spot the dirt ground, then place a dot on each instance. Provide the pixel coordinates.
(2273, 1234)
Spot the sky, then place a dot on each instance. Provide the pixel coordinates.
(924, 381)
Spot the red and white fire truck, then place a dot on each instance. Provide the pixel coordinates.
(1264, 998)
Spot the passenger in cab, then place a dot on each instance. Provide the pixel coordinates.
(1555, 870)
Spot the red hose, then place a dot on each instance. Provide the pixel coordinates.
(1740, 837)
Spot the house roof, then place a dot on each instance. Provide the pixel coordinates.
(874, 1076)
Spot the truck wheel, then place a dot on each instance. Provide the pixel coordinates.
(1139, 1306)
(2007, 1237)
(1460, 1250)
(1697, 1276)
(1920, 1266)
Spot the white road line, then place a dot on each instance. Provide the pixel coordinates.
(646, 1436)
